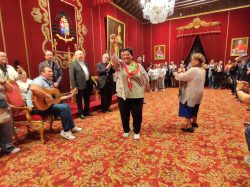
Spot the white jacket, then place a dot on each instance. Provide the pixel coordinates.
(192, 92)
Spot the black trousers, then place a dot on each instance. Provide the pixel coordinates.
(135, 107)
(85, 94)
(106, 95)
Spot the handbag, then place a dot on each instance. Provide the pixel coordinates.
(4, 116)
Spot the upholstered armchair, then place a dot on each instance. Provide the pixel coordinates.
(22, 114)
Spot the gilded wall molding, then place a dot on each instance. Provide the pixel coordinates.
(82, 29)
(2, 31)
(197, 23)
(41, 15)
(37, 15)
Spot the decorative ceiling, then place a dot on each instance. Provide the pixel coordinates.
(183, 7)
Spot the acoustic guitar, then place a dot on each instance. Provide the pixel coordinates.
(42, 103)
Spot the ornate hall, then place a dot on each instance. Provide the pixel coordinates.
(133, 93)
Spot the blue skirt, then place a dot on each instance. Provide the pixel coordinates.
(187, 111)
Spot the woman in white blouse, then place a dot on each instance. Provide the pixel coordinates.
(191, 93)
(23, 84)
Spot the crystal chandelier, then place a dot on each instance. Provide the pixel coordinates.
(157, 11)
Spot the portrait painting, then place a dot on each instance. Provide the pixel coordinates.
(159, 52)
(115, 36)
(239, 46)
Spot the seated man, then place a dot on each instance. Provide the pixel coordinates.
(243, 91)
(247, 133)
(6, 122)
(45, 80)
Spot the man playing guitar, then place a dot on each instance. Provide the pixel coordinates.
(45, 80)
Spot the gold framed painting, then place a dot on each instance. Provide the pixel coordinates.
(116, 30)
(159, 52)
(239, 46)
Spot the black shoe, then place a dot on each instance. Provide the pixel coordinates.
(195, 125)
(247, 123)
(109, 110)
(89, 114)
(190, 129)
(82, 116)
(104, 111)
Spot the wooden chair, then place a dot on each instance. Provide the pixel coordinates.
(22, 114)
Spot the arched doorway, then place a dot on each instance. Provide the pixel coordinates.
(196, 48)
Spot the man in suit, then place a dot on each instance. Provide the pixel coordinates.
(56, 69)
(105, 71)
(140, 61)
(81, 82)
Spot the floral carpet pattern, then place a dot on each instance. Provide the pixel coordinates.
(164, 156)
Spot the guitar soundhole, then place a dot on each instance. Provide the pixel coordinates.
(53, 96)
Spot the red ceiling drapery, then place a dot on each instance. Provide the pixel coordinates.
(99, 2)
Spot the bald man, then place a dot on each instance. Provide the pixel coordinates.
(105, 72)
(80, 80)
(7, 71)
(56, 69)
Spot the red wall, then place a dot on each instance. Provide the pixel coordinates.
(234, 22)
(94, 41)
(239, 26)
(141, 37)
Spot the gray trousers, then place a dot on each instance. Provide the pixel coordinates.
(6, 133)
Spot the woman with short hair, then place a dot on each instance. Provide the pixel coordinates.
(191, 91)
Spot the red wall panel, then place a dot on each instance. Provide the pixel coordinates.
(13, 32)
(95, 40)
(147, 43)
(239, 26)
(141, 37)
(160, 35)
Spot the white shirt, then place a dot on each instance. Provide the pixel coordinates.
(12, 74)
(162, 73)
(85, 69)
(193, 92)
(152, 73)
(24, 86)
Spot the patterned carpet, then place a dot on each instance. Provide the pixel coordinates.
(164, 156)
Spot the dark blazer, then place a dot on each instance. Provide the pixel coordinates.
(77, 75)
(57, 71)
(104, 73)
